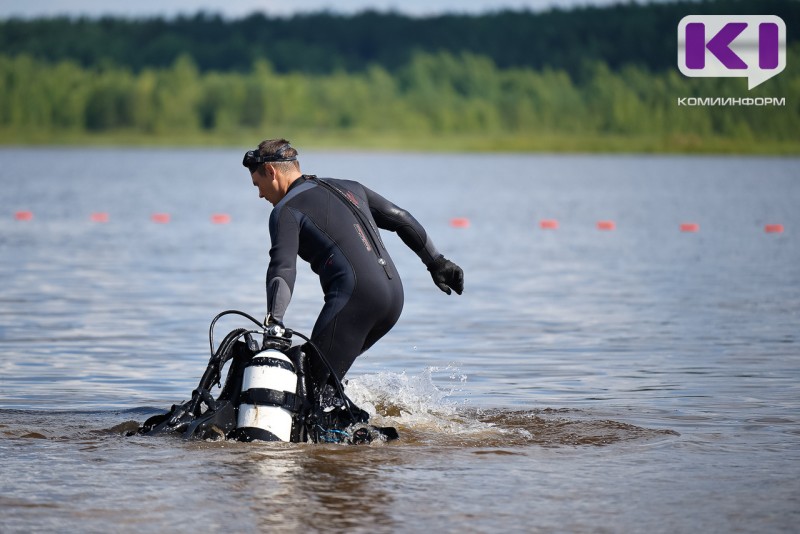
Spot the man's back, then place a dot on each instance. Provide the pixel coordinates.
(328, 224)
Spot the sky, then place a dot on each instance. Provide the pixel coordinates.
(240, 8)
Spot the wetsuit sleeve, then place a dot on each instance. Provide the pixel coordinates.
(390, 217)
(282, 271)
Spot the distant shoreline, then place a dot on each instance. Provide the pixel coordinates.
(364, 140)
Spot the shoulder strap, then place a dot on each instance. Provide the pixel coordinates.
(373, 233)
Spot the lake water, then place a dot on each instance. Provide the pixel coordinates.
(640, 379)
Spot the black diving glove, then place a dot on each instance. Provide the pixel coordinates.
(446, 275)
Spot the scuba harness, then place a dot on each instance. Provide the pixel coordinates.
(267, 395)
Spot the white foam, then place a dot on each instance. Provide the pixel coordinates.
(414, 401)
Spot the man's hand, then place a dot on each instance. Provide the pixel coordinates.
(274, 327)
(446, 275)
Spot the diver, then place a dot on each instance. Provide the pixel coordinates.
(333, 225)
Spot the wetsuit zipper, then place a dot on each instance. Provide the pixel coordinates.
(362, 219)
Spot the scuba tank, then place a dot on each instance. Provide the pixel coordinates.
(266, 395)
(273, 398)
(267, 377)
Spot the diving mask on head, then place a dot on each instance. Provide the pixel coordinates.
(252, 159)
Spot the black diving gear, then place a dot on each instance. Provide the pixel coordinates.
(446, 275)
(267, 396)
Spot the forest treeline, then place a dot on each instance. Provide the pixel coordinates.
(637, 34)
(505, 80)
(433, 96)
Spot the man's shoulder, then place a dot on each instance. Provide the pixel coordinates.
(293, 194)
(352, 189)
(347, 184)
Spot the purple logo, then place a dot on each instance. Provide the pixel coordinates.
(745, 46)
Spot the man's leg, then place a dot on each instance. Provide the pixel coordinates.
(343, 332)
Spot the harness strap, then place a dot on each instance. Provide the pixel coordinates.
(271, 397)
(268, 361)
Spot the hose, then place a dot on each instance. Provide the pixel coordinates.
(222, 314)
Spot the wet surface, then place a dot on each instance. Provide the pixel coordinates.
(640, 379)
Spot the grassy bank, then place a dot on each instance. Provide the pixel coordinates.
(365, 140)
(437, 102)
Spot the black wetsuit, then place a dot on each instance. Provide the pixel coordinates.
(332, 224)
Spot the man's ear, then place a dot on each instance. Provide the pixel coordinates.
(270, 171)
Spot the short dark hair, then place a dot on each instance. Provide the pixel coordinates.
(280, 148)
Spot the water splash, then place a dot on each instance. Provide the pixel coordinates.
(408, 399)
(427, 414)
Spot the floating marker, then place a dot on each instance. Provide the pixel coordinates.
(220, 218)
(455, 222)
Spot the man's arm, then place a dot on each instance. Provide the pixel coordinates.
(390, 217)
(282, 271)
(445, 273)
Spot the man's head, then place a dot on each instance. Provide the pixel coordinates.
(273, 167)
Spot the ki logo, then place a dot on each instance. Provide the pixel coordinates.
(732, 46)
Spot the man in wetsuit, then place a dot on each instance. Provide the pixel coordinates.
(333, 225)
